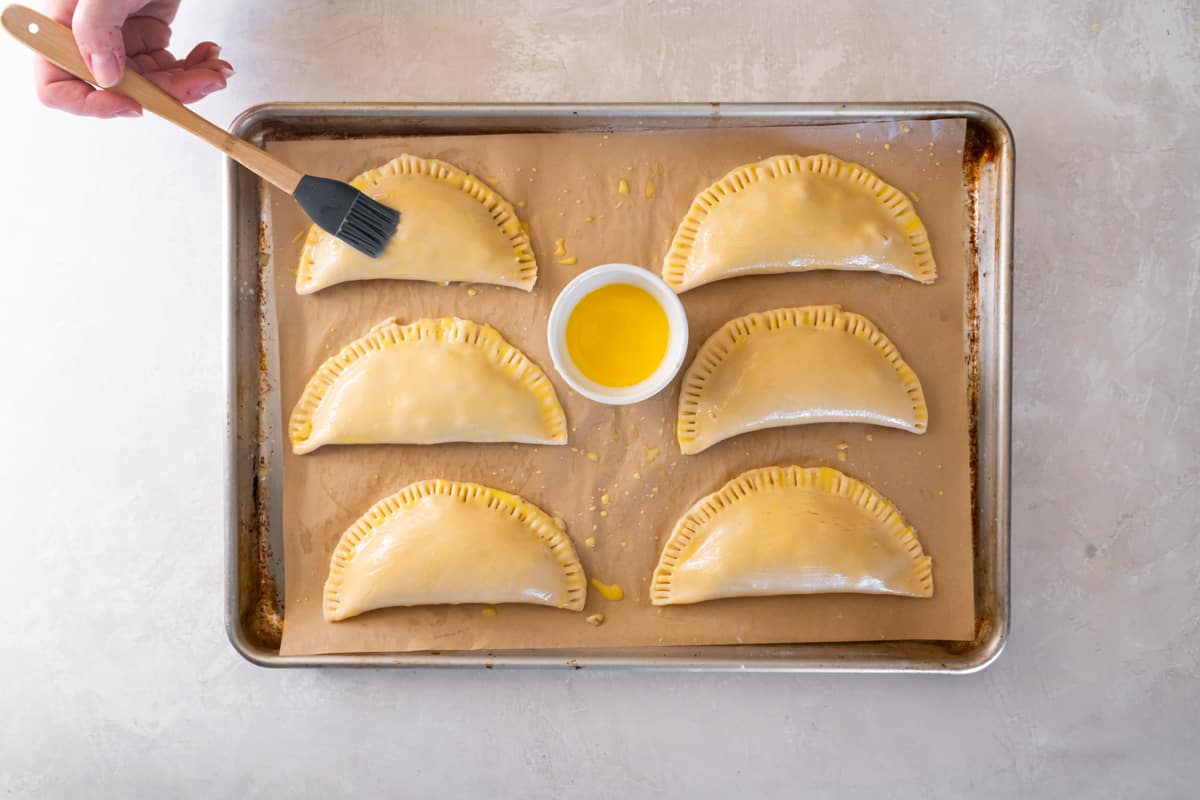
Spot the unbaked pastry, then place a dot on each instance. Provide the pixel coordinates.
(431, 381)
(438, 541)
(791, 530)
(792, 366)
(453, 227)
(795, 213)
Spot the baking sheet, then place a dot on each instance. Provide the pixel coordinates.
(562, 179)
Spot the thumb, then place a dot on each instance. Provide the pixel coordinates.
(97, 28)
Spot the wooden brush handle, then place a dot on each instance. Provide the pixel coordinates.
(56, 44)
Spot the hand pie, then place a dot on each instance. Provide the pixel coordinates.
(789, 530)
(437, 542)
(453, 227)
(434, 380)
(793, 366)
(797, 213)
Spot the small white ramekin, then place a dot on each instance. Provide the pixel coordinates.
(588, 282)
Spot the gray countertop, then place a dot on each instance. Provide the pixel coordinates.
(116, 678)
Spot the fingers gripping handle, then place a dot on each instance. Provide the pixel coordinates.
(52, 40)
(55, 43)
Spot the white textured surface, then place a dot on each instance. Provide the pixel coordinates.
(115, 676)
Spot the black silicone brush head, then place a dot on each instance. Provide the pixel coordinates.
(365, 224)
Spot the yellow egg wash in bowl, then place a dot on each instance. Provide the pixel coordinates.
(617, 334)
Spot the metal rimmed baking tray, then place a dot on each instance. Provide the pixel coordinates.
(253, 537)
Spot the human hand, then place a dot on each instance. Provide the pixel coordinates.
(115, 34)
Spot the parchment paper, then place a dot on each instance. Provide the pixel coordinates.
(558, 181)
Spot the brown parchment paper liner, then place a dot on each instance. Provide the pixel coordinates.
(558, 181)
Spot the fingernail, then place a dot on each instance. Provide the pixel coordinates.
(207, 89)
(130, 112)
(105, 68)
(227, 72)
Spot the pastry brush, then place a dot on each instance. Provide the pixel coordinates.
(358, 220)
